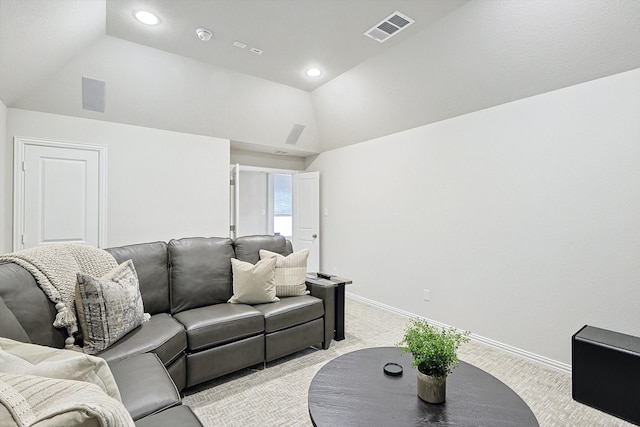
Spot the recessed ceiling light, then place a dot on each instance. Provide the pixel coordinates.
(313, 72)
(146, 17)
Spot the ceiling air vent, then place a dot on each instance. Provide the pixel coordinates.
(388, 27)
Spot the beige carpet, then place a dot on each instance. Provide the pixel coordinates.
(277, 395)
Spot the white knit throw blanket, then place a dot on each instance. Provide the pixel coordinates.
(31, 399)
(55, 267)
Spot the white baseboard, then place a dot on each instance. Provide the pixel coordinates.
(563, 367)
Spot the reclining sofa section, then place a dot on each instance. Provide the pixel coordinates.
(185, 286)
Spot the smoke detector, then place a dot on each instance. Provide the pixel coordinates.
(204, 34)
(389, 27)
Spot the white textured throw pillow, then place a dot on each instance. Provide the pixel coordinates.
(254, 284)
(291, 272)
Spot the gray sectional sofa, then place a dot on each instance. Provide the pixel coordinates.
(193, 332)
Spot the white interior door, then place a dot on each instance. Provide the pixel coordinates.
(252, 204)
(306, 216)
(60, 193)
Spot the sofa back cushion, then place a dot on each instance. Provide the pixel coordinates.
(30, 306)
(151, 263)
(247, 248)
(9, 325)
(200, 272)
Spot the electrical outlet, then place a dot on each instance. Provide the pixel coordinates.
(427, 295)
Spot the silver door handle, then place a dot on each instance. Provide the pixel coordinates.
(314, 236)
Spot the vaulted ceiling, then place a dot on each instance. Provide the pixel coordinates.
(293, 34)
(459, 56)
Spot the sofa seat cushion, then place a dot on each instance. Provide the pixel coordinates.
(219, 324)
(145, 385)
(161, 335)
(290, 311)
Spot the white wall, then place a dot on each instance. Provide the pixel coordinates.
(6, 182)
(266, 160)
(161, 90)
(160, 184)
(523, 220)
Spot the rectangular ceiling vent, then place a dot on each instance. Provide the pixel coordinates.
(389, 27)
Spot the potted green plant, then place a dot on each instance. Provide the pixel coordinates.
(435, 356)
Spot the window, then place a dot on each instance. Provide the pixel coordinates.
(282, 205)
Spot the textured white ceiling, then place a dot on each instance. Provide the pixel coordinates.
(294, 34)
(483, 54)
(37, 37)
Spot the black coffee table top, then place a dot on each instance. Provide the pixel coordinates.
(352, 390)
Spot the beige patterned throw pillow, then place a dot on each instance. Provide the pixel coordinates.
(291, 272)
(253, 284)
(108, 307)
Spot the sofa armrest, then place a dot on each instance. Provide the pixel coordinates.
(181, 416)
(327, 293)
(145, 385)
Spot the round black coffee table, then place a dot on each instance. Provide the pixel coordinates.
(353, 390)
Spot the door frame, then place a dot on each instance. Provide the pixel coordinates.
(233, 207)
(234, 214)
(19, 145)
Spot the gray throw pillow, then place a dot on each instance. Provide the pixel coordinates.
(108, 307)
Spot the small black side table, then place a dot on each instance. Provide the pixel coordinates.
(339, 284)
